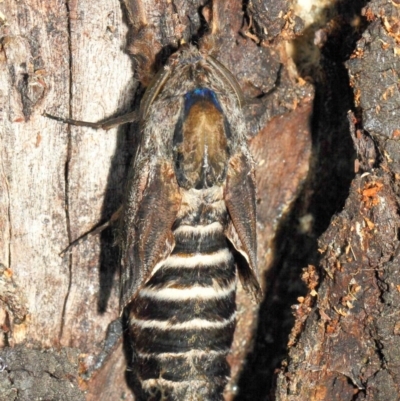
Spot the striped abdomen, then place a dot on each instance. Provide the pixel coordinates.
(183, 318)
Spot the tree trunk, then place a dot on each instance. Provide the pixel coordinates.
(345, 344)
(62, 338)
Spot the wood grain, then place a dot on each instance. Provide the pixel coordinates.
(66, 59)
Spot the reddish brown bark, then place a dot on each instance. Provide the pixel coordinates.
(345, 343)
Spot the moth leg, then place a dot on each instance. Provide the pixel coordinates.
(211, 13)
(212, 42)
(94, 231)
(136, 13)
(218, 7)
(143, 43)
(106, 125)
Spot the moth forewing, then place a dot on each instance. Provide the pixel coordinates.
(154, 206)
(240, 198)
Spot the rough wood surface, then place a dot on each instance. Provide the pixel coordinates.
(66, 59)
(345, 343)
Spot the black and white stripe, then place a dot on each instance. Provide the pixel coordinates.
(183, 319)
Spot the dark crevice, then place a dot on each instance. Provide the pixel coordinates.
(203, 29)
(351, 383)
(382, 285)
(10, 231)
(66, 170)
(378, 349)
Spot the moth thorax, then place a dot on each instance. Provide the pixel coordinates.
(201, 148)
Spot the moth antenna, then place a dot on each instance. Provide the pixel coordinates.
(106, 125)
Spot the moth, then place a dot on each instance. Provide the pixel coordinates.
(188, 229)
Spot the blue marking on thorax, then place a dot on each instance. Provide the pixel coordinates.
(200, 94)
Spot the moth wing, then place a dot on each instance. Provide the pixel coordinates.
(150, 211)
(240, 199)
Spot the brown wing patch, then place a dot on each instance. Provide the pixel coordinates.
(240, 199)
(151, 240)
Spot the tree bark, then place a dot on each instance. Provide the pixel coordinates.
(345, 343)
(57, 182)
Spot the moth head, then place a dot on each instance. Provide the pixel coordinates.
(196, 65)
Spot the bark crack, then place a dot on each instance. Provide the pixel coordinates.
(10, 233)
(66, 168)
